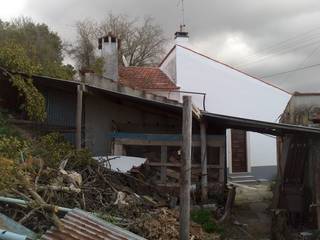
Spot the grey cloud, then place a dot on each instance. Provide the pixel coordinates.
(210, 22)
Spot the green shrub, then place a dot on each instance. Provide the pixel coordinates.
(8, 172)
(5, 128)
(201, 216)
(12, 147)
(205, 219)
(52, 149)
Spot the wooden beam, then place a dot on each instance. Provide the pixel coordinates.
(164, 153)
(204, 169)
(79, 116)
(214, 185)
(212, 141)
(159, 164)
(185, 181)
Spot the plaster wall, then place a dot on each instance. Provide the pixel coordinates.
(304, 101)
(104, 116)
(169, 66)
(167, 94)
(230, 92)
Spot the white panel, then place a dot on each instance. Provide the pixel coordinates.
(263, 150)
(233, 93)
(229, 149)
(229, 92)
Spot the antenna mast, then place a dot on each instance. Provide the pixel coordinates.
(182, 22)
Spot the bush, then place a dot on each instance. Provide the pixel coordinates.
(52, 149)
(205, 219)
(5, 128)
(13, 148)
(9, 171)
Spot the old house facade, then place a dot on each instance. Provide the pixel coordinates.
(219, 88)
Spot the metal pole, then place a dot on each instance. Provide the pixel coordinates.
(185, 180)
(79, 117)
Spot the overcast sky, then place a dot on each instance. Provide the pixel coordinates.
(259, 37)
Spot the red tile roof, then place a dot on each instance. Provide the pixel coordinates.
(145, 78)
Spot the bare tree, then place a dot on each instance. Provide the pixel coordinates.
(142, 41)
(83, 50)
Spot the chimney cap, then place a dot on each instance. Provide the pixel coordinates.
(110, 37)
(181, 34)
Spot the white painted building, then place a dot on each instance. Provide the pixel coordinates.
(233, 93)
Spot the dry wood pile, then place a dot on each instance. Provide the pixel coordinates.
(121, 198)
(46, 172)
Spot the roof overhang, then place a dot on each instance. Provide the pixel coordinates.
(276, 129)
(217, 120)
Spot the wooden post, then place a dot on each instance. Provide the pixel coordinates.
(222, 164)
(316, 166)
(185, 180)
(79, 117)
(204, 164)
(118, 149)
(164, 157)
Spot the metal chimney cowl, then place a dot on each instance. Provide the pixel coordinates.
(109, 53)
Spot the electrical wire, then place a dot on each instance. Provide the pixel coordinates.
(304, 61)
(276, 54)
(278, 45)
(292, 70)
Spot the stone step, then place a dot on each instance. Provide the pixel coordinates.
(246, 181)
(242, 178)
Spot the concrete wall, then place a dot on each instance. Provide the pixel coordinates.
(232, 93)
(302, 110)
(164, 93)
(169, 67)
(104, 116)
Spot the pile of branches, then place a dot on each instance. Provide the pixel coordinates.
(47, 172)
(115, 196)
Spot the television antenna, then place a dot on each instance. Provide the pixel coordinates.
(182, 22)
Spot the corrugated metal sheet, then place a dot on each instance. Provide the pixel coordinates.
(61, 108)
(78, 224)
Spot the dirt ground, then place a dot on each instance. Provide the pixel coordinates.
(251, 219)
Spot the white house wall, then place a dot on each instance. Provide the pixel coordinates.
(169, 66)
(230, 92)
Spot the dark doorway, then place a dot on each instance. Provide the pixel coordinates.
(239, 151)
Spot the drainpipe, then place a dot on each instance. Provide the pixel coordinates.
(6, 235)
(23, 202)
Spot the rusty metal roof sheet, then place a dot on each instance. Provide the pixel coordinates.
(78, 224)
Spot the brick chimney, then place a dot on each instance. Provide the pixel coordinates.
(109, 53)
